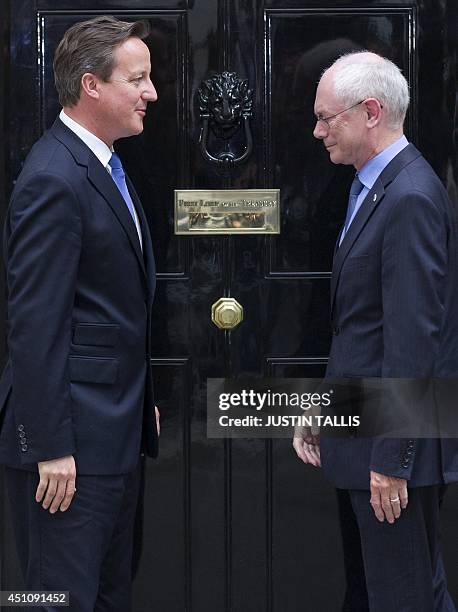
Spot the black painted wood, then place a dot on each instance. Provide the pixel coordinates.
(239, 526)
(4, 148)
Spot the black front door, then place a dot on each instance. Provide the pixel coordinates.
(240, 526)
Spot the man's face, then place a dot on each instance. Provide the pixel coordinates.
(345, 136)
(124, 97)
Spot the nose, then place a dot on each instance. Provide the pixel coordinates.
(319, 130)
(150, 93)
(226, 110)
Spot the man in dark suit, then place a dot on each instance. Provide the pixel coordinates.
(76, 392)
(394, 299)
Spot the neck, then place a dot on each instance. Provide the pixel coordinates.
(89, 122)
(383, 142)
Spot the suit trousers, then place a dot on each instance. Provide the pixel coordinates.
(86, 550)
(355, 599)
(402, 561)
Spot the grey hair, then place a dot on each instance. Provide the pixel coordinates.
(364, 75)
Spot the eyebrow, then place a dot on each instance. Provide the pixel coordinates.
(137, 73)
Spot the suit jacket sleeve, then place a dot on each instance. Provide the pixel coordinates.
(43, 247)
(414, 266)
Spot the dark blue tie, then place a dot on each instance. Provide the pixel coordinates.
(117, 174)
(355, 190)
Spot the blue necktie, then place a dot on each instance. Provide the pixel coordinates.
(117, 174)
(355, 190)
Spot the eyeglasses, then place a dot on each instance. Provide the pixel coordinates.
(325, 120)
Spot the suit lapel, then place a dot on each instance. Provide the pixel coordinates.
(146, 236)
(336, 245)
(362, 217)
(107, 188)
(367, 208)
(102, 182)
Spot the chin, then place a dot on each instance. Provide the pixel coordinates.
(139, 127)
(338, 159)
(134, 131)
(334, 156)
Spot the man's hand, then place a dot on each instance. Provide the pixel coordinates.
(57, 483)
(158, 420)
(388, 496)
(307, 446)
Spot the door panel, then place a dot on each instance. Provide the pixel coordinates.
(299, 43)
(240, 525)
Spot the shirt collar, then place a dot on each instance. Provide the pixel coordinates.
(372, 169)
(98, 147)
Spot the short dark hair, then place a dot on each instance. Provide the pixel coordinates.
(88, 46)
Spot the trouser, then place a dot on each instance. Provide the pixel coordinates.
(86, 550)
(402, 562)
(355, 599)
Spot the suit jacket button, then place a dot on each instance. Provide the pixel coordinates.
(20, 427)
(24, 448)
(335, 330)
(22, 434)
(405, 464)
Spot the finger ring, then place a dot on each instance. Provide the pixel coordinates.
(396, 499)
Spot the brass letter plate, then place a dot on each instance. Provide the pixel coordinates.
(227, 211)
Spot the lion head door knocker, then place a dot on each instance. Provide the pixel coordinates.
(225, 103)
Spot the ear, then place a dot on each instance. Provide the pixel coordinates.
(89, 85)
(373, 110)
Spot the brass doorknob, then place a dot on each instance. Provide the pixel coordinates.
(227, 313)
